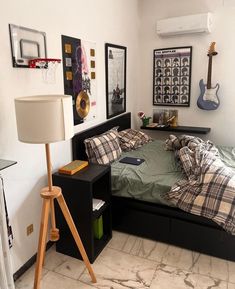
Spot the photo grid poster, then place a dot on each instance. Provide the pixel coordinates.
(172, 76)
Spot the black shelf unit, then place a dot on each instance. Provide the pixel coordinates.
(79, 189)
(180, 128)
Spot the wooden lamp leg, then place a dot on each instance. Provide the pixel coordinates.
(42, 242)
(75, 234)
(54, 232)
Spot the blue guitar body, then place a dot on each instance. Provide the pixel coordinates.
(208, 98)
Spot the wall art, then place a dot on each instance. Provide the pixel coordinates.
(79, 66)
(172, 76)
(115, 66)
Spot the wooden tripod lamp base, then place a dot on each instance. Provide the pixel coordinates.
(48, 199)
(45, 119)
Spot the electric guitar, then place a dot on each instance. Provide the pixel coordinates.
(208, 98)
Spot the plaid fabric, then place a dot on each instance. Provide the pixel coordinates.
(131, 139)
(209, 190)
(103, 149)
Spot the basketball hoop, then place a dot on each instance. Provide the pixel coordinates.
(48, 67)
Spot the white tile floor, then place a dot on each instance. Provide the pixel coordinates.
(132, 262)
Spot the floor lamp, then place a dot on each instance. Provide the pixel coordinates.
(45, 119)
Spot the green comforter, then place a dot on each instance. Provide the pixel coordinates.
(150, 180)
(153, 178)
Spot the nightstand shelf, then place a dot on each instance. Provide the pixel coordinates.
(78, 191)
(98, 213)
(100, 244)
(180, 128)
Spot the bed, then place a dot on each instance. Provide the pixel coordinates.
(159, 221)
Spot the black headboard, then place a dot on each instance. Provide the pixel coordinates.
(78, 147)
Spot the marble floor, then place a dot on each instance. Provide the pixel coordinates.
(129, 262)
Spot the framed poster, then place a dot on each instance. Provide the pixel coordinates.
(79, 67)
(172, 76)
(115, 68)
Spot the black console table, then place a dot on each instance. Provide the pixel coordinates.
(180, 128)
(5, 164)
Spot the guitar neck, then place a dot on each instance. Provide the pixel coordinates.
(209, 74)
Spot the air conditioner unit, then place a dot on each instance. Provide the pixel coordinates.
(197, 23)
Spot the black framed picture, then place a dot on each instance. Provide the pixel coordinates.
(115, 68)
(172, 76)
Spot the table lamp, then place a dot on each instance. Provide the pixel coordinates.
(44, 119)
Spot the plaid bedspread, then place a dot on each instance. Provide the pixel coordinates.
(209, 187)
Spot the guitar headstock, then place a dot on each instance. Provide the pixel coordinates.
(211, 50)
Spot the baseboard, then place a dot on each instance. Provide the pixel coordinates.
(29, 263)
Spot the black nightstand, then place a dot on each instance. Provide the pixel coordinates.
(78, 190)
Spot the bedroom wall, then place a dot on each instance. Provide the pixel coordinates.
(113, 21)
(223, 119)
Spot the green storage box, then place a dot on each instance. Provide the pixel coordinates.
(98, 227)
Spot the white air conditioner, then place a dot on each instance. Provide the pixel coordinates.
(185, 24)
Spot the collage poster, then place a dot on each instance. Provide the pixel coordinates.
(172, 76)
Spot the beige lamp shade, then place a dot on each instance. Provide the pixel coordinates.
(44, 118)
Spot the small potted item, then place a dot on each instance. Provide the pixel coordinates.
(144, 118)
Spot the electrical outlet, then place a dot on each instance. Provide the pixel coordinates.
(29, 229)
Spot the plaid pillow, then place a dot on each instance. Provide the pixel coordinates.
(131, 139)
(104, 148)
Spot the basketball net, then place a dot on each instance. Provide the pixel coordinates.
(48, 69)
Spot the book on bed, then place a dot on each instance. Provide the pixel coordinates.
(132, 161)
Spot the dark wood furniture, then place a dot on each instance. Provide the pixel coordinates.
(78, 190)
(180, 128)
(158, 222)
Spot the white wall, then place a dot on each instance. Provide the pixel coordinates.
(221, 120)
(113, 21)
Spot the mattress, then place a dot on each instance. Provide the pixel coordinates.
(156, 175)
(150, 180)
